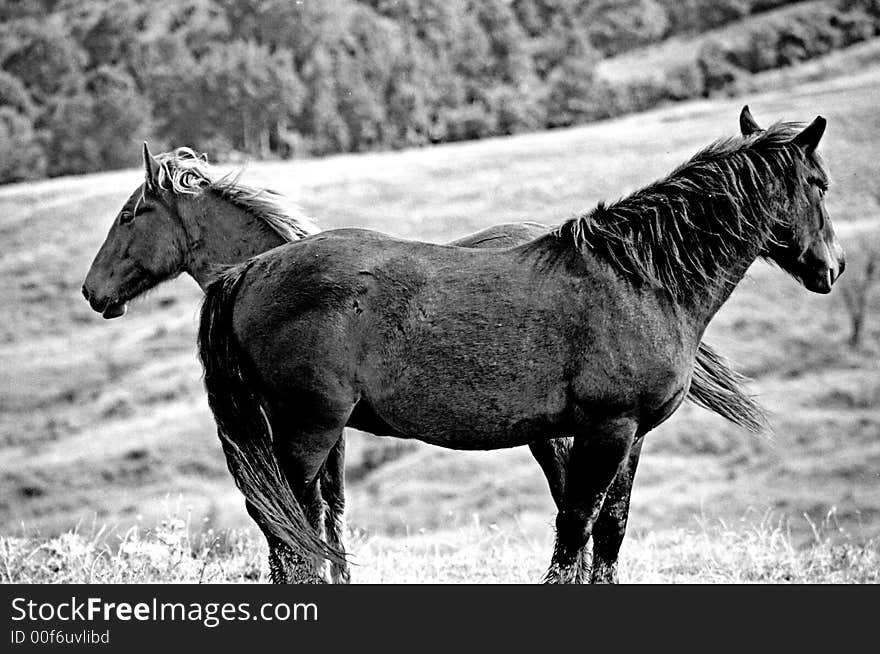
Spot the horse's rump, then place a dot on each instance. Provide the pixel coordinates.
(235, 400)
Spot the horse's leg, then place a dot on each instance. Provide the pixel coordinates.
(333, 490)
(611, 523)
(281, 556)
(286, 566)
(592, 467)
(304, 435)
(552, 455)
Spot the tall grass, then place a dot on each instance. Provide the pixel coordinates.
(754, 551)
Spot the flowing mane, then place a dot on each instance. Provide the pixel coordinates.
(185, 172)
(677, 233)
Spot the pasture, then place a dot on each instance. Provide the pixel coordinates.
(101, 422)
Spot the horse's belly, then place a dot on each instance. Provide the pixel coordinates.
(463, 418)
(475, 436)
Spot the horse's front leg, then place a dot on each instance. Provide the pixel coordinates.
(594, 462)
(611, 523)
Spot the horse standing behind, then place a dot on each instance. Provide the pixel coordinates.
(590, 331)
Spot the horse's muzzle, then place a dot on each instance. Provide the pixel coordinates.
(107, 308)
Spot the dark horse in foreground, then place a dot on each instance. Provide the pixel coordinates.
(187, 217)
(589, 331)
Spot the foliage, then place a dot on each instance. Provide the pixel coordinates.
(618, 26)
(21, 157)
(272, 78)
(14, 95)
(42, 54)
(570, 91)
(111, 111)
(798, 36)
(695, 16)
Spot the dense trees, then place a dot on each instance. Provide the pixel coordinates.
(82, 83)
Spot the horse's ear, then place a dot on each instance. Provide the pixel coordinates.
(809, 138)
(747, 123)
(151, 170)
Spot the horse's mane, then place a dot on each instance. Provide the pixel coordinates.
(185, 172)
(678, 232)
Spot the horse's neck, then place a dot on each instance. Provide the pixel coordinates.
(698, 293)
(222, 234)
(703, 305)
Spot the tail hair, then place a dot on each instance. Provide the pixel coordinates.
(242, 425)
(717, 387)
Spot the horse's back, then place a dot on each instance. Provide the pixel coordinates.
(503, 236)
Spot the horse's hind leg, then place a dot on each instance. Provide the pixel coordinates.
(333, 490)
(282, 558)
(611, 523)
(592, 467)
(305, 433)
(553, 455)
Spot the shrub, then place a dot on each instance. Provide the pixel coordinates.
(14, 94)
(856, 26)
(641, 95)
(616, 26)
(694, 16)
(470, 121)
(570, 94)
(514, 111)
(21, 156)
(684, 81)
(802, 36)
(718, 71)
(869, 7)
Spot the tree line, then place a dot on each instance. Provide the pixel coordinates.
(82, 83)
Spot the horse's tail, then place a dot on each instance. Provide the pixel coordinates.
(242, 424)
(715, 386)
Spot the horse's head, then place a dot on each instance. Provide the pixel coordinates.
(146, 245)
(804, 243)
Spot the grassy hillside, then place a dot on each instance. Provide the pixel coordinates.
(100, 422)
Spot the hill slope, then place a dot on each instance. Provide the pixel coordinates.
(102, 421)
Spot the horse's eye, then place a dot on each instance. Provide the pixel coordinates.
(126, 217)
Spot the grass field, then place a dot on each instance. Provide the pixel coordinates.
(760, 551)
(101, 421)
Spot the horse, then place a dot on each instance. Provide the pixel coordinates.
(589, 331)
(186, 217)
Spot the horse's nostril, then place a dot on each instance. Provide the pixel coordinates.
(85, 292)
(841, 267)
